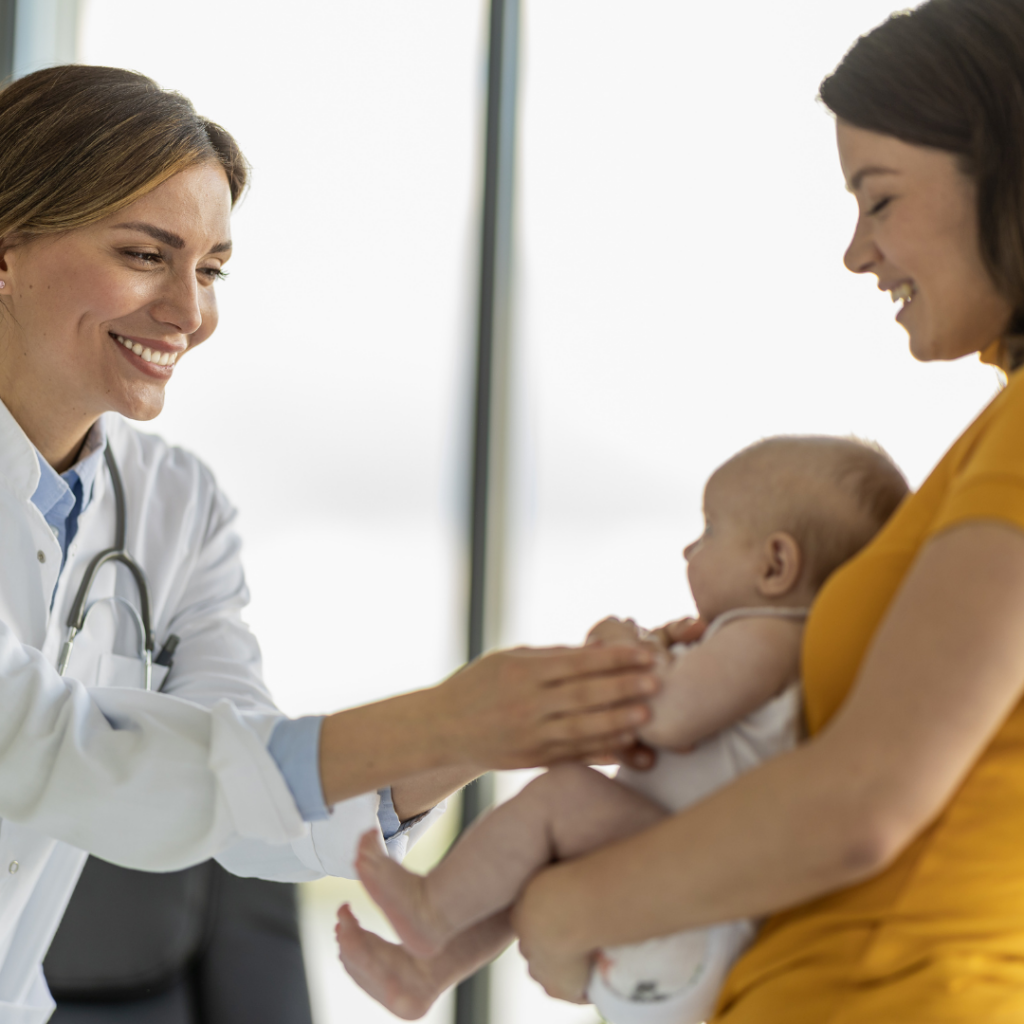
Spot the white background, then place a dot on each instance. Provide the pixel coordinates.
(679, 293)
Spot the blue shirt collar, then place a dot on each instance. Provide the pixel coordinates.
(53, 495)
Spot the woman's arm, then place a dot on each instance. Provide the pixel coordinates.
(943, 671)
(509, 709)
(419, 793)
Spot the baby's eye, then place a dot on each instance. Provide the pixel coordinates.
(879, 206)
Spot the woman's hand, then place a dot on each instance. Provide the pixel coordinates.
(554, 963)
(510, 709)
(527, 707)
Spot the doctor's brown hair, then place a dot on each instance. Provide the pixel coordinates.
(950, 74)
(78, 143)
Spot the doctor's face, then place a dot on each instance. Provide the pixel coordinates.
(97, 318)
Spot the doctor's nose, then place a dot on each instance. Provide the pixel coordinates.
(180, 305)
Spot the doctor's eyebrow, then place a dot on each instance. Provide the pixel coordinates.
(167, 237)
(864, 172)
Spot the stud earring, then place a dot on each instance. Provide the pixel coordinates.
(3, 284)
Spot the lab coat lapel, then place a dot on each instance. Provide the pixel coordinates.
(29, 553)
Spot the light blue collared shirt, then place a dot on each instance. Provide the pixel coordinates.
(62, 499)
(294, 743)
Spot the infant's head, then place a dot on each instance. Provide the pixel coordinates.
(782, 515)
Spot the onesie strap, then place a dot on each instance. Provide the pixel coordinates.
(753, 613)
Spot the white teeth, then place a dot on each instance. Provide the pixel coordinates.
(904, 291)
(156, 358)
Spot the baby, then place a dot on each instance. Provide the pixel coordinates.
(779, 518)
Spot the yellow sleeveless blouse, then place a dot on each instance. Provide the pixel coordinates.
(939, 936)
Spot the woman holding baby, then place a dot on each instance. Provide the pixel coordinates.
(886, 850)
(884, 853)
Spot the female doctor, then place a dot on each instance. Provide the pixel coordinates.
(115, 199)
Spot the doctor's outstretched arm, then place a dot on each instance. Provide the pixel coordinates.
(509, 709)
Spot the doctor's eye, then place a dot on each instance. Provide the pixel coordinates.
(143, 257)
(213, 273)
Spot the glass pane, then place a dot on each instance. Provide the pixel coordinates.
(332, 401)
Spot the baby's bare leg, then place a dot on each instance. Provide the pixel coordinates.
(406, 985)
(566, 812)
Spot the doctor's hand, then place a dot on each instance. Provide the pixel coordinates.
(526, 707)
(510, 709)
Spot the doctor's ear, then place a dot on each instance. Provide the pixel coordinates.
(781, 565)
(8, 243)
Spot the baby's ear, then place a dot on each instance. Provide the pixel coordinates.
(781, 565)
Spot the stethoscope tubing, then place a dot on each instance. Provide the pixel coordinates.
(80, 607)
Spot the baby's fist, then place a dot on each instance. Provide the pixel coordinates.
(615, 631)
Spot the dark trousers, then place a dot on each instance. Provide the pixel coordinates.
(190, 947)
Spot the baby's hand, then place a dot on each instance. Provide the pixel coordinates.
(681, 631)
(616, 631)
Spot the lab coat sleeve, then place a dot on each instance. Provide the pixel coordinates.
(219, 657)
(326, 847)
(141, 779)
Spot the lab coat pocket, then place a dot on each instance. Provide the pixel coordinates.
(117, 670)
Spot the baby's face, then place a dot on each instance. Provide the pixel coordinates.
(723, 562)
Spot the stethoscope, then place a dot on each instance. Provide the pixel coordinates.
(81, 607)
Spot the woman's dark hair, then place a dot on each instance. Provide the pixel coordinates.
(78, 143)
(950, 74)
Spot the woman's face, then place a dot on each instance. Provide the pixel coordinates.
(917, 232)
(98, 317)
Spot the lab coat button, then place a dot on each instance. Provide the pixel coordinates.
(13, 867)
(41, 556)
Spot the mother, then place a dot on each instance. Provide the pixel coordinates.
(890, 847)
(115, 202)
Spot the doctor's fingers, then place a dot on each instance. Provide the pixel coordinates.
(589, 693)
(606, 730)
(553, 665)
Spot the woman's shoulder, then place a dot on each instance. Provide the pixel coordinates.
(161, 470)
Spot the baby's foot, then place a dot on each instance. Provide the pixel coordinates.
(388, 973)
(402, 895)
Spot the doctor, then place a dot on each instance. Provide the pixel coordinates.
(115, 199)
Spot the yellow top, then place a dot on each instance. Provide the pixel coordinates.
(939, 936)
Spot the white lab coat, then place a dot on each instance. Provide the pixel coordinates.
(91, 761)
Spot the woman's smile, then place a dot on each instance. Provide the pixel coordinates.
(149, 356)
(917, 231)
(141, 280)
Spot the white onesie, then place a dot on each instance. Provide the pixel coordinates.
(676, 979)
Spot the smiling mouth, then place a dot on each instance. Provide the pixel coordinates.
(904, 293)
(148, 354)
